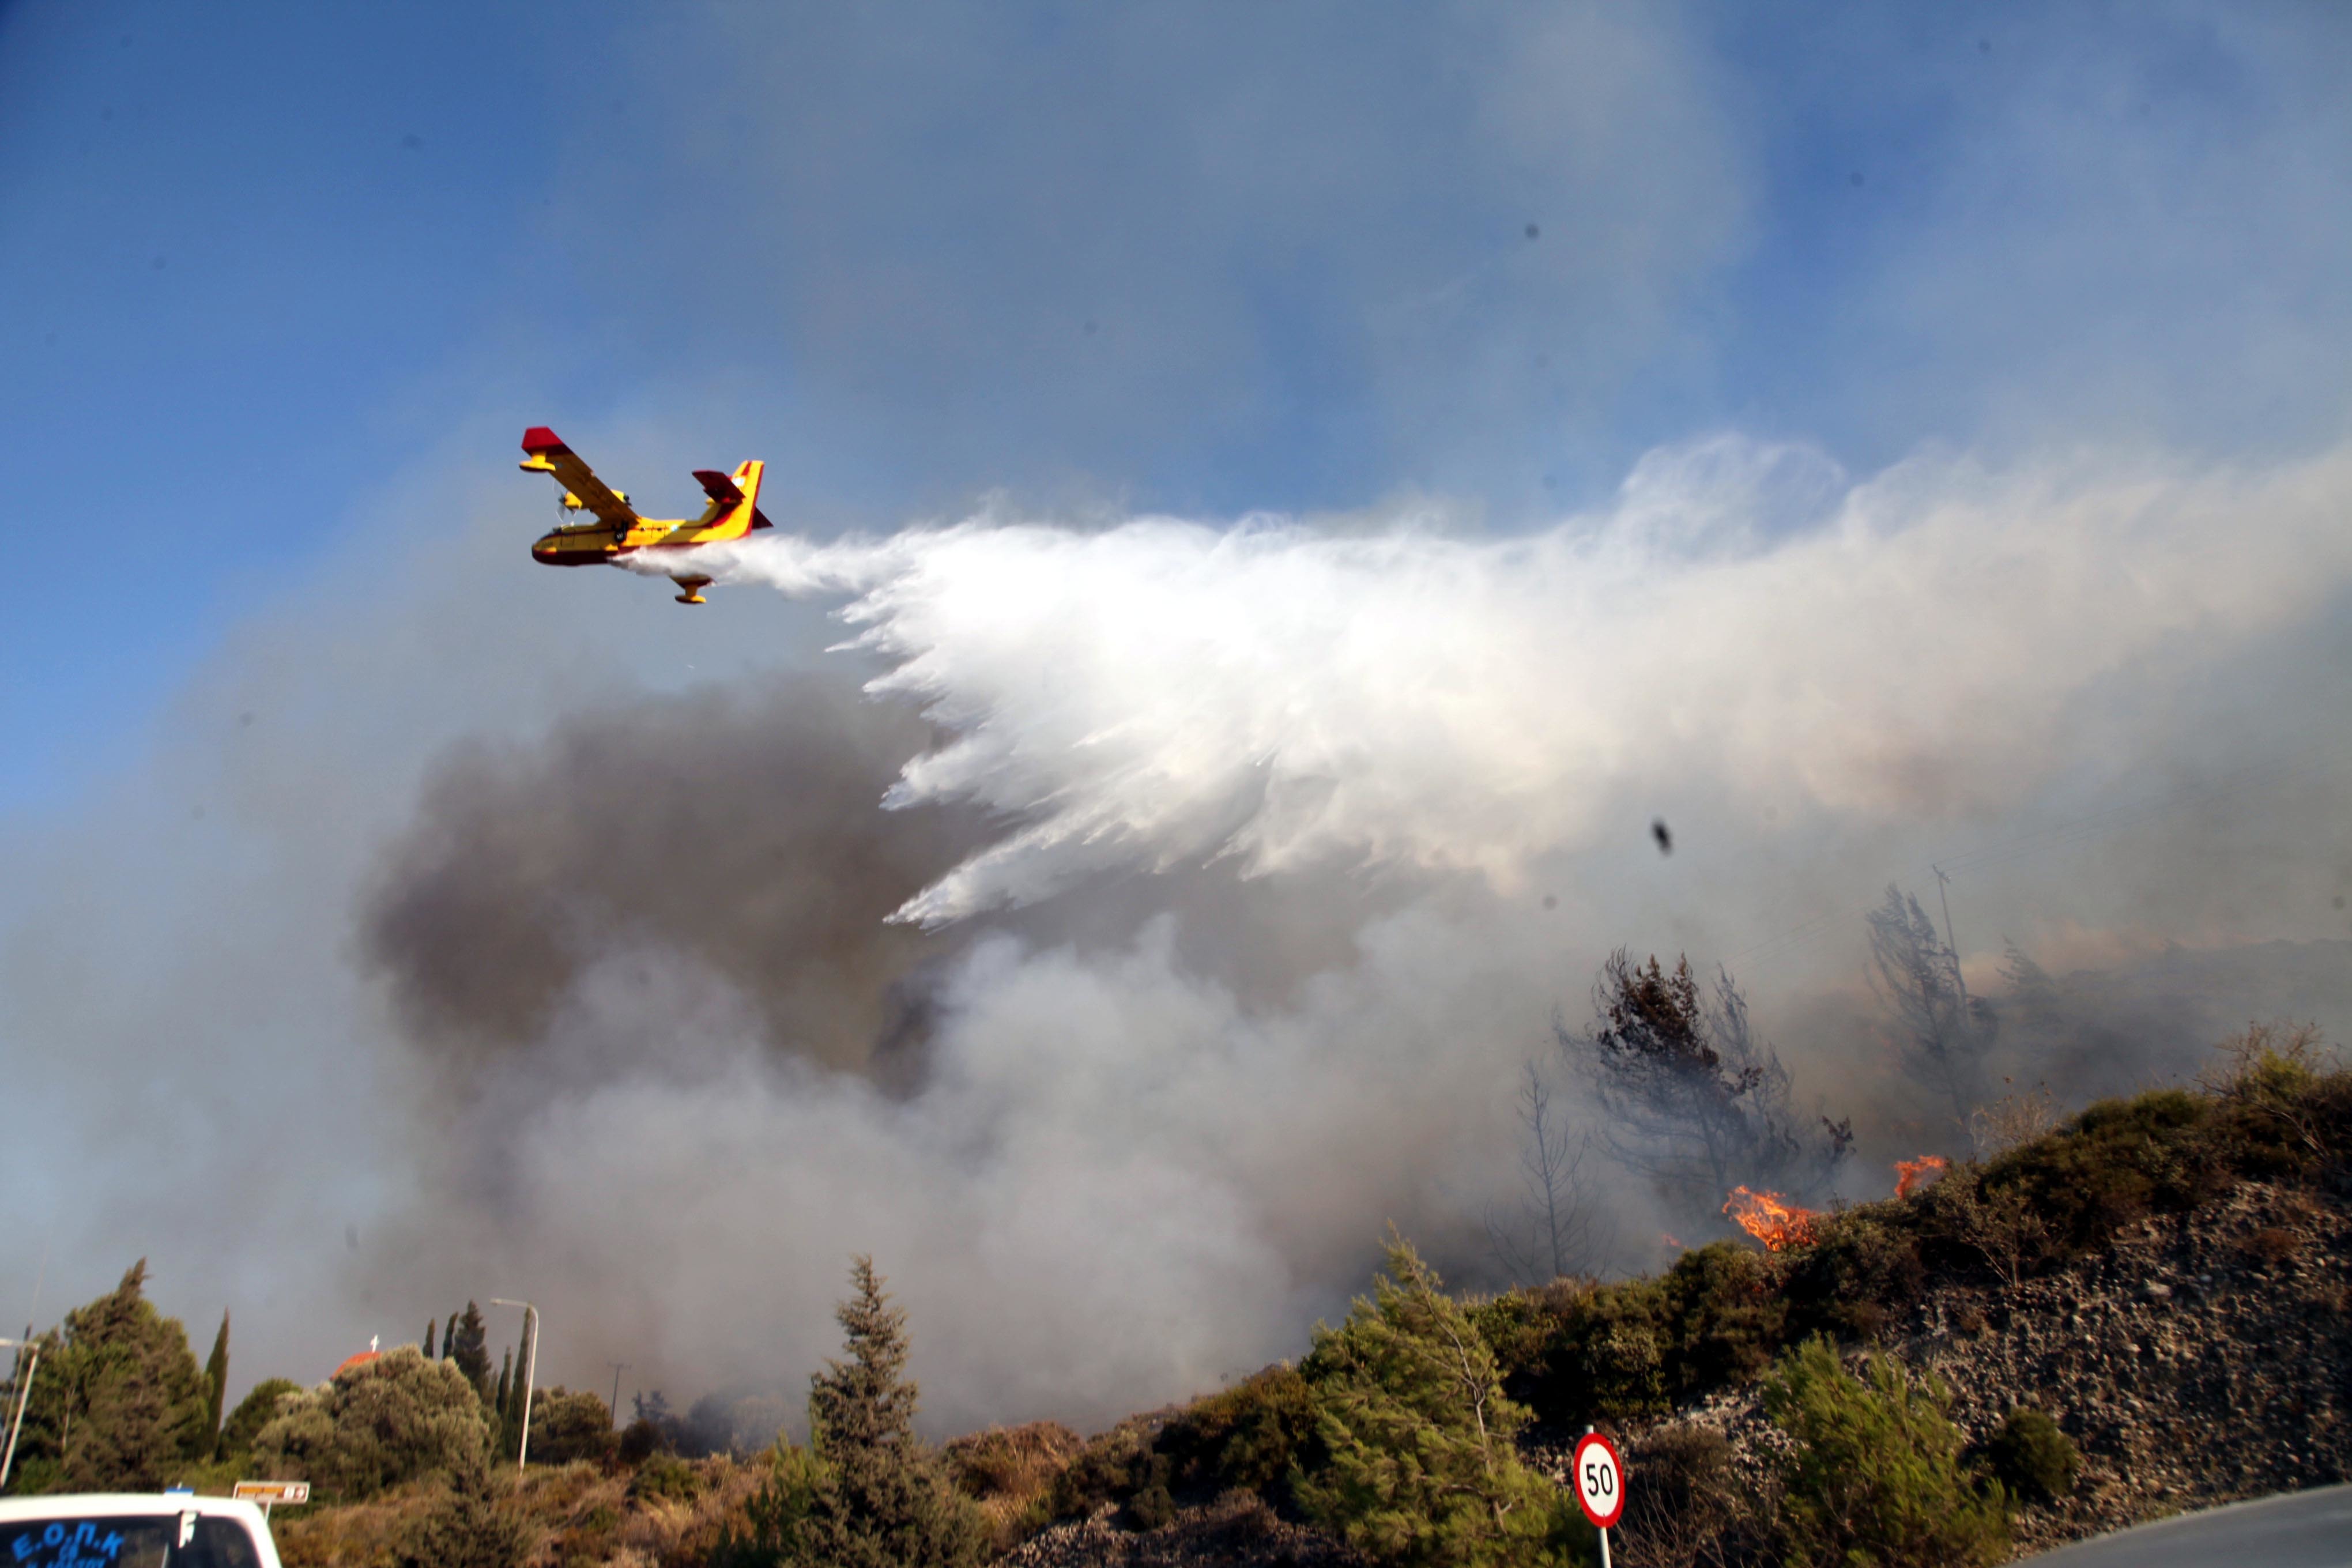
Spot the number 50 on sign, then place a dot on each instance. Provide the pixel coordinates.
(1599, 1480)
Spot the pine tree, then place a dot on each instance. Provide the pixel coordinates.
(1409, 1405)
(866, 1493)
(468, 1345)
(216, 1386)
(430, 1324)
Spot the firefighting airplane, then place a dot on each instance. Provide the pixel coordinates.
(618, 530)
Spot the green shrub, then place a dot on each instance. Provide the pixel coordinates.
(1112, 1468)
(1630, 1351)
(2030, 1457)
(467, 1530)
(380, 1422)
(1866, 1267)
(666, 1476)
(565, 1427)
(1605, 1358)
(1521, 1327)
(640, 1440)
(253, 1412)
(1873, 1474)
(1415, 1436)
(2111, 1164)
(1247, 1437)
(1725, 1315)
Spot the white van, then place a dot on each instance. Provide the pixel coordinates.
(133, 1530)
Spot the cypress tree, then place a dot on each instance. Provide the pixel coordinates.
(503, 1405)
(216, 1386)
(468, 1345)
(430, 1324)
(449, 1338)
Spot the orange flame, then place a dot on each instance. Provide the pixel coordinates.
(1910, 1176)
(1668, 1239)
(1770, 1219)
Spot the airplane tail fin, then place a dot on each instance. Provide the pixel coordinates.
(736, 501)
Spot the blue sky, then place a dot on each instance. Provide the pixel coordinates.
(262, 263)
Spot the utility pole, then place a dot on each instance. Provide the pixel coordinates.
(613, 1409)
(1958, 980)
(24, 1392)
(530, 1369)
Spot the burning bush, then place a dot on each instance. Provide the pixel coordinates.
(1910, 1176)
(1770, 1219)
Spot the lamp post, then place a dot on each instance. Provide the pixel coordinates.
(24, 1392)
(530, 1369)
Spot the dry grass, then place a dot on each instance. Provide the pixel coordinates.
(580, 1516)
(1010, 1471)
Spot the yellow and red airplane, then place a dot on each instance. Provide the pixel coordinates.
(618, 530)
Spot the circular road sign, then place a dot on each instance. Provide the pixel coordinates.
(1600, 1479)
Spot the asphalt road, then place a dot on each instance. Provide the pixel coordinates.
(2294, 1530)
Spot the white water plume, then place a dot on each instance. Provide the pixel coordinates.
(1165, 691)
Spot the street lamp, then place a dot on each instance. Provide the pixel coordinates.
(529, 1368)
(24, 1392)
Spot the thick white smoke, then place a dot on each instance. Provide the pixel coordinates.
(1164, 692)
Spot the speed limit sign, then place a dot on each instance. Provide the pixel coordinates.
(1599, 1480)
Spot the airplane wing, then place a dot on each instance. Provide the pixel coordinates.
(549, 455)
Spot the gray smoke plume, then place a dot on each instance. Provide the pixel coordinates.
(739, 831)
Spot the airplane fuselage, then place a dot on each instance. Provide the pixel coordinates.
(601, 544)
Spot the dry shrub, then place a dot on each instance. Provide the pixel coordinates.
(1010, 1471)
(674, 1532)
(328, 1536)
(2271, 1245)
(2268, 1073)
(1688, 1508)
(2018, 1117)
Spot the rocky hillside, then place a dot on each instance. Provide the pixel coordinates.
(2203, 1358)
(2168, 1278)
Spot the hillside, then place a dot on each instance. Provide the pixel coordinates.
(2167, 1277)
